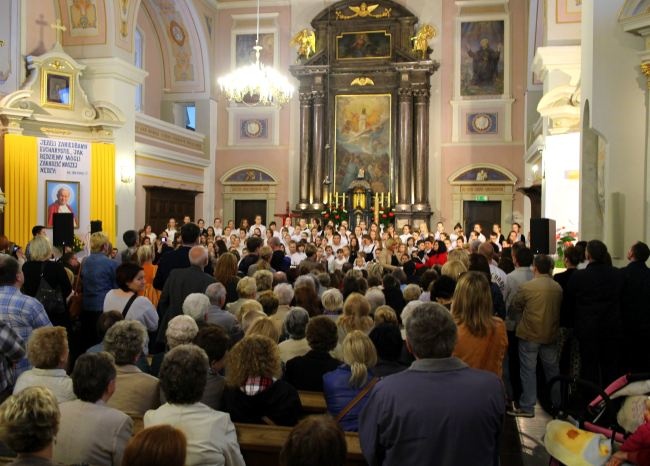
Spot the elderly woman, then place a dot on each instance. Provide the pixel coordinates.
(294, 326)
(482, 339)
(125, 299)
(211, 436)
(98, 278)
(284, 292)
(332, 301)
(253, 392)
(347, 388)
(306, 372)
(181, 330)
(264, 326)
(135, 391)
(246, 289)
(47, 351)
(29, 421)
(196, 306)
(41, 267)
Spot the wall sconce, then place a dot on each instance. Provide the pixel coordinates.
(126, 175)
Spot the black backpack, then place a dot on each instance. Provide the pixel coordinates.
(51, 298)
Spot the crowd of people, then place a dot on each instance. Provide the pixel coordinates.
(432, 336)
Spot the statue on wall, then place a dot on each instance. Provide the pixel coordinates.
(305, 40)
(422, 38)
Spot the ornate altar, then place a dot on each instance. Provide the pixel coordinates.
(364, 107)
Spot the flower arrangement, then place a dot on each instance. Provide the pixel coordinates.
(336, 213)
(77, 244)
(564, 239)
(385, 215)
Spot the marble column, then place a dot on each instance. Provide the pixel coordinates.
(405, 147)
(421, 180)
(318, 146)
(305, 148)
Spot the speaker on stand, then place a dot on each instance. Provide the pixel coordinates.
(63, 229)
(542, 236)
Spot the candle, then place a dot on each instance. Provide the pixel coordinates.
(382, 200)
(388, 198)
(344, 200)
(376, 208)
(336, 197)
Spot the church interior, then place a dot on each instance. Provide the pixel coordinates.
(397, 112)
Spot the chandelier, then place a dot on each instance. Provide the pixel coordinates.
(256, 84)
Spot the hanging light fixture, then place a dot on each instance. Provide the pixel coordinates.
(256, 84)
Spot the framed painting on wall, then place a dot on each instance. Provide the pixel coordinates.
(568, 11)
(363, 45)
(363, 141)
(61, 197)
(245, 54)
(57, 89)
(482, 58)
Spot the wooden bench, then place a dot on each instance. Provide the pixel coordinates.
(261, 444)
(313, 402)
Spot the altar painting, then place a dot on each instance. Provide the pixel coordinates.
(363, 141)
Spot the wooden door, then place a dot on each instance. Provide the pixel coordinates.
(485, 213)
(249, 209)
(163, 203)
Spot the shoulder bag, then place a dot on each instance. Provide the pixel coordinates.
(51, 298)
(356, 399)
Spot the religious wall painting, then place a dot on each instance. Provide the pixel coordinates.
(363, 45)
(481, 60)
(485, 174)
(568, 11)
(245, 54)
(249, 175)
(363, 141)
(57, 89)
(482, 123)
(61, 197)
(85, 22)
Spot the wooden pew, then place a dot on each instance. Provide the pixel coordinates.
(261, 444)
(312, 402)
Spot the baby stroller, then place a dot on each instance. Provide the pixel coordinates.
(598, 416)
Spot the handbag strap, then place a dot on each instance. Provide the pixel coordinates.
(128, 305)
(356, 399)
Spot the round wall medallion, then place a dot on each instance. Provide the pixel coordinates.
(177, 32)
(253, 128)
(481, 123)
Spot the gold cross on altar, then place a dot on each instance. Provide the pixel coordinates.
(59, 30)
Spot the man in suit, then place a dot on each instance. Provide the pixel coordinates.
(181, 283)
(90, 432)
(178, 258)
(634, 308)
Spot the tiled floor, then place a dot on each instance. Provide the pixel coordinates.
(522, 441)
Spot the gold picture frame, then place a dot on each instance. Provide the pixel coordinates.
(57, 89)
(364, 45)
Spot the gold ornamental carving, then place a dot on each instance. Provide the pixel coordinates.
(305, 40)
(645, 69)
(364, 11)
(362, 81)
(422, 38)
(55, 131)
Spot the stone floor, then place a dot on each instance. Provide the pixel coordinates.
(522, 440)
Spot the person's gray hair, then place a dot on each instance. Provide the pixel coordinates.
(412, 292)
(431, 332)
(295, 323)
(474, 245)
(125, 340)
(332, 300)
(196, 306)
(263, 280)
(306, 280)
(376, 298)
(324, 279)
(284, 292)
(181, 330)
(198, 256)
(408, 310)
(216, 293)
(274, 242)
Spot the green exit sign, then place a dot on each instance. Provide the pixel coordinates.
(481, 197)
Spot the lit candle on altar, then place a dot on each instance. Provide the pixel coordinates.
(382, 200)
(344, 200)
(376, 208)
(388, 198)
(336, 197)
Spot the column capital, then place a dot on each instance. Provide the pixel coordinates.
(405, 93)
(645, 69)
(318, 96)
(305, 98)
(421, 95)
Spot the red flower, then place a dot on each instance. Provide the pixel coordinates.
(392, 214)
(384, 216)
(326, 215)
(336, 217)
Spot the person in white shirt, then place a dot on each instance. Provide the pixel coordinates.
(288, 226)
(171, 229)
(478, 229)
(257, 224)
(406, 233)
(337, 243)
(218, 227)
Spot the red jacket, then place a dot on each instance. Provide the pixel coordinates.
(638, 445)
(433, 259)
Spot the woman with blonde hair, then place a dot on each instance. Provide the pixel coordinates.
(264, 326)
(47, 351)
(453, 269)
(356, 315)
(347, 388)
(387, 258)
(145, 255)
(482, 339)
(253, 392)
(225, 272)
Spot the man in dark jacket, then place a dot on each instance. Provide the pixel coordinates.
(178, 258)
(635, 312)
(279, 261)
(253, 245)
(596, 294)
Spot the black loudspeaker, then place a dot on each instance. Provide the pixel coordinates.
(63, 229)
(542, 236)
(95, 226)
